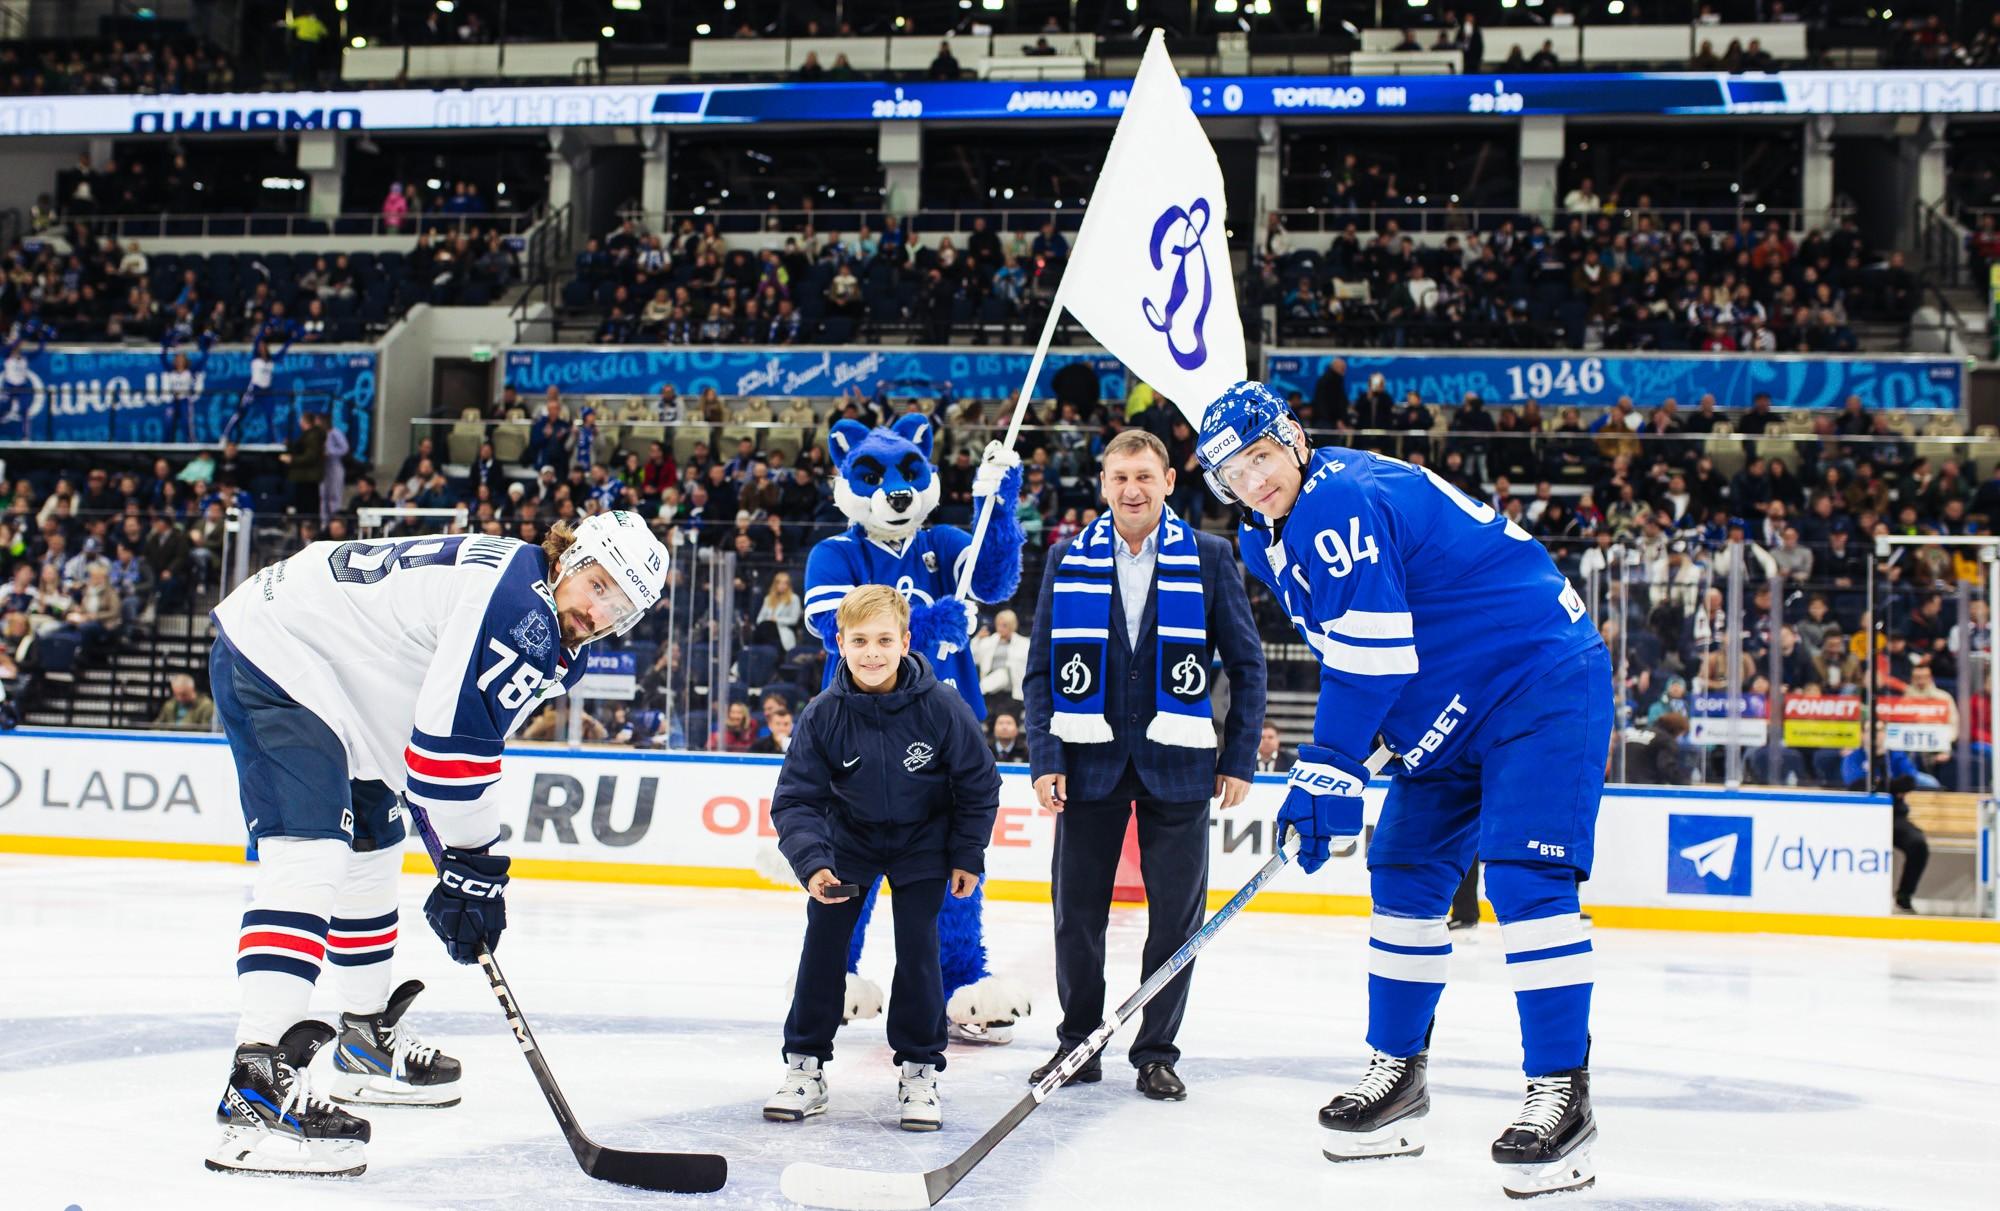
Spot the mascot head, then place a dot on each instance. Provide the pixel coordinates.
(885, 482)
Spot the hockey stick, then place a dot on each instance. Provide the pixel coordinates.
(675, 1172)
(870, 1190)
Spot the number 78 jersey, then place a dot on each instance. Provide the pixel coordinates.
(421, 654)
(1425, 608)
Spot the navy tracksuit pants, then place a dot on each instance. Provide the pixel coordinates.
(916, 996)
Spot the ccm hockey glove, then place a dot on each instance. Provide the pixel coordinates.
(467, 908)
(1323, 802)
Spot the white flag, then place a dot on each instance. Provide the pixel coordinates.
(1150, 275)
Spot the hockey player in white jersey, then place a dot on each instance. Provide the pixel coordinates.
(1448, 631)
(345, 676)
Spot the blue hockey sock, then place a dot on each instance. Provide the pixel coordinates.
(1407, 958)
(1409, 950)
(1549, 960)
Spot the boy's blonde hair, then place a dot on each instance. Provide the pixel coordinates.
(870, 600)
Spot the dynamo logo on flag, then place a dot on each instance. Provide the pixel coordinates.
(1178, 233)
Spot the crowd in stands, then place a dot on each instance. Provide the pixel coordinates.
(79, 286)
(117, 66)
(1598, 274)
(689, 286)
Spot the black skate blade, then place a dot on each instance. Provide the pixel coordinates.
(1585, 1184)
(669, 1172)
(357, 1171)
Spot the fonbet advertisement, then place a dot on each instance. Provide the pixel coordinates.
(702, 819)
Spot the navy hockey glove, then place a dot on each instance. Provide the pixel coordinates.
(1323, 802)
(467, 908)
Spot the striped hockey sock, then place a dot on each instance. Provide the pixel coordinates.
(1407, 961)
(1549, 959)
(282, 943)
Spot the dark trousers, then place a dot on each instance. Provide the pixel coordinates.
(916, 996)
(1916, 855)
(1465, 902)
(1173, 856)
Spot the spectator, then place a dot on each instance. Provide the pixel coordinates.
(1269, 759)
(185, 709)
(945, 66)
(738, 732)
(1001, 656)
(1008, 743)
(782, 610)
(778, 718)
(395, 208)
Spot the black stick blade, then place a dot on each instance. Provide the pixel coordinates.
(672, 1172)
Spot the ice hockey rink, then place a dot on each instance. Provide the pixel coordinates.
(1730, 1071)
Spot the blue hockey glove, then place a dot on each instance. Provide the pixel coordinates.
(1323, 802)
(467, 908)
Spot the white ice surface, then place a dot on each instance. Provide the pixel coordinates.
(1735, 1072)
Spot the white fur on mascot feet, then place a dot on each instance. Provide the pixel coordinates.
(886, 485)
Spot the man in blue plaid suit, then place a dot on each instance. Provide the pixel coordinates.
(1134, 614)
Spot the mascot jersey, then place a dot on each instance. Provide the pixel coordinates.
(924, 568)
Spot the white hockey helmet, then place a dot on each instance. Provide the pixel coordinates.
(623, 545)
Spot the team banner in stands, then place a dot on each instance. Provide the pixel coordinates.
(1636, 94)
(701, 819)
(1557, 379)
(114, 395)
(793, 370)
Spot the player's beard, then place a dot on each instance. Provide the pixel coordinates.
(574, 629)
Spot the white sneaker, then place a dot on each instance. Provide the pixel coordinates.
(802, 1095)
(918, 1094)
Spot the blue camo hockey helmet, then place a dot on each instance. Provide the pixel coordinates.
(1237, 419)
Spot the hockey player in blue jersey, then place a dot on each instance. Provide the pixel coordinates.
(1447, 631)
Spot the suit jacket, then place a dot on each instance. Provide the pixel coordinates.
(1131, 686)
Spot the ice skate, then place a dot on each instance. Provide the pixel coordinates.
(273, 1122)
(918, 1095)
(802, 1095)
(1547, 1148)
(381, 1062)
(1382, 1114)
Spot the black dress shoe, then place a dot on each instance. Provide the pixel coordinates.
(1091, 1073)
(1158, 1081)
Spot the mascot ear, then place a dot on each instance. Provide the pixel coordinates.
(843, 437)
(915, 428)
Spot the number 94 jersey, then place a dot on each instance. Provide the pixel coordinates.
(422, 654)
(1427, 610)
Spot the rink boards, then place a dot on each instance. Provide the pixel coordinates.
(1768, 861)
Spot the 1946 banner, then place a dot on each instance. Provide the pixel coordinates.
(1556, 379)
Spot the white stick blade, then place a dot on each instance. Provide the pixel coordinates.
(854, 1189)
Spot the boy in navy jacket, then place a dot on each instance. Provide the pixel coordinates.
(888, 774)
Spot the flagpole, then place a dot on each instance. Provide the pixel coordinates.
(964, 590)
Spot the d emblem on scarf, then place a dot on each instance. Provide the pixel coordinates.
(1084, 590)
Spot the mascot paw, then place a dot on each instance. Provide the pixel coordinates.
(864, 998)
(986, 1011)
(771, 866)
(944, 626)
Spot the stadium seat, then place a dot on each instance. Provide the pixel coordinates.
(462, 443)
